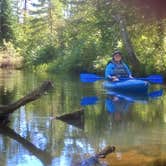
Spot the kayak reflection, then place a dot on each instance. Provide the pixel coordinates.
(115, 104)
(119, 103)
(89, 100)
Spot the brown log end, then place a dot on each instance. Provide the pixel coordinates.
(107, 150)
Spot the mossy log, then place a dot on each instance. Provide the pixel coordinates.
(5, 110)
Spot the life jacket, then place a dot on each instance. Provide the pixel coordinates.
(120, 70)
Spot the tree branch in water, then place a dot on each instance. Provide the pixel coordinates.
(35, 94)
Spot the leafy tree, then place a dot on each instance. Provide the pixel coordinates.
(78, 35)
(43, 21)
(6, 32)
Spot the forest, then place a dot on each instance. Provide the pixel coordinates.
(81, 35)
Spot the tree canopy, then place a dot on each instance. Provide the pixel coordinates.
(6, 32)
(80, 35)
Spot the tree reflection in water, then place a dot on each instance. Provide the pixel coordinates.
(40, 154)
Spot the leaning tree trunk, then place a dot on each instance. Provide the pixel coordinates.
(5, 110)
(127, 42)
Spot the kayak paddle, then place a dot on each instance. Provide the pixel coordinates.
(88, 77)
(156, 79)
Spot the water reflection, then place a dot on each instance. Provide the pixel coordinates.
(117, 102)
(7, 95)
(40, 154)
(140, 124)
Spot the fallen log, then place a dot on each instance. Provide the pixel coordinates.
(94, 160)
(74, 118)
(5, 110)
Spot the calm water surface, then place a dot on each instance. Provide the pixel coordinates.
(34, 137)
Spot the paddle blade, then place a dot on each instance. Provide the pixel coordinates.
(156, 93)
(87, 77)
(156, 79)
(91, 100)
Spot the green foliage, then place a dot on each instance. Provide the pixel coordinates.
(6, 31)
(150, 44)
(81, 35)
(10, 49)
(75, 60)
(45, 55)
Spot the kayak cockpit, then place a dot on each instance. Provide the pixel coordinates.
(131, 85)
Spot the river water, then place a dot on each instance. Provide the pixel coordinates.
(135, 125)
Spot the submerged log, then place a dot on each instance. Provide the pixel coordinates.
(94, 160)
(5, 110)
(74, 118)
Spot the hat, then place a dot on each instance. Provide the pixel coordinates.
(116, 52)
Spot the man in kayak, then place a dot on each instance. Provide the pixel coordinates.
(117, 69)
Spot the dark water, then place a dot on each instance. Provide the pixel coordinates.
(33, 137)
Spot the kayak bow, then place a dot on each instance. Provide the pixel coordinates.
(132, 85)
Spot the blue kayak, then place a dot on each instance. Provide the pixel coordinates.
(131, 85)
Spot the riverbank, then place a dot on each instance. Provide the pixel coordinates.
(10, 61)
(145, 155)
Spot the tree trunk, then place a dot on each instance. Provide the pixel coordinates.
(127, 42)
(5, 110)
